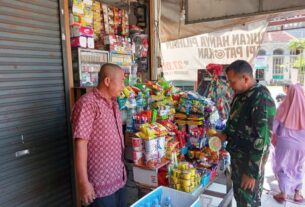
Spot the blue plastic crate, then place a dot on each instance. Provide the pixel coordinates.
(178, 198)
(205, 179)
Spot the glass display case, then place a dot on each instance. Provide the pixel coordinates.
(86, 65)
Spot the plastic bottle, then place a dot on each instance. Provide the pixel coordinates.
(139, 100)
(129, 121)
(168, 202)
(133, 73)
(147, 204)
(148, 100)
(156, 203)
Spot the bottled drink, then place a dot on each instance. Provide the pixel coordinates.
(156, 203)
(168, 202)
(129, 121)
(133, 74)
(139, 100)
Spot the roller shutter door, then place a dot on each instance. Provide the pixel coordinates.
(34, 144)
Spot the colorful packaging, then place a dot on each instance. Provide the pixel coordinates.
(151, 146)
(125, 26)
(138, 157)
(97, 24)
(105, 19)
(90, 42)
(88, 2)
(152, 130)
(79, 42)
(88, 16)
(77, 31)
(170, 126)
(75, 20)
(77, 7)
(141, 45)
(152, 159)
(94, 78)
(137, 144)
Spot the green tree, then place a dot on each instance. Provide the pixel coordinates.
(298, 44)
(299, 63)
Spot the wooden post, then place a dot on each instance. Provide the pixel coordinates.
(153, 37)
(69, 84)
(68, 54)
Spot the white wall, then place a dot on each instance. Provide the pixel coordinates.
(269, 48)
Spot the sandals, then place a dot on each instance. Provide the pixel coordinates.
(301, 200)
(279, 198)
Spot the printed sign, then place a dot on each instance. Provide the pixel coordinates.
(182, 58)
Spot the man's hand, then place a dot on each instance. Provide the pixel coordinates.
(221, 136)
(247, 182)
(86, 192)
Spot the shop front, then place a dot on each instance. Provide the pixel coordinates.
(51, 52)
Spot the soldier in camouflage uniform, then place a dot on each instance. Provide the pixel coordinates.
(248, 133)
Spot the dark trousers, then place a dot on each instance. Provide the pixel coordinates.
(117, 199)
(245, 198)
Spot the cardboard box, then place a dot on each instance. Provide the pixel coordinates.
(145, 176)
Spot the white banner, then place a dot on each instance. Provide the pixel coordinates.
(182, 58)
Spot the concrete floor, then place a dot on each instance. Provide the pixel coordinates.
(270, 188)
(132, 190)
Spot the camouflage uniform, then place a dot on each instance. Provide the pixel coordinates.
(248, 133)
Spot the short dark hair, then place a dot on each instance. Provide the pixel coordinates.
(280, 97)
(103, 71)
(286, 84)
(240, 67)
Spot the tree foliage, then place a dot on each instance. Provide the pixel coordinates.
(298, 44)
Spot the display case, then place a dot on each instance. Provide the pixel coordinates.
(86, 65)
(123, 60)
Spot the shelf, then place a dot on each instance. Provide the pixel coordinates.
(158, 166)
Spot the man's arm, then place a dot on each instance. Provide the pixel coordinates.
(262, 117)
(86, 190)
(221, 135)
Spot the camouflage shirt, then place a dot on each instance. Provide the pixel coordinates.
(249, 127)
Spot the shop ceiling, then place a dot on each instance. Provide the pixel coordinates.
(184, 18)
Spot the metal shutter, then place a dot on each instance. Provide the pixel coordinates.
(33, 107)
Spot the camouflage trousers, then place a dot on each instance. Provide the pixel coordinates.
(245, 198)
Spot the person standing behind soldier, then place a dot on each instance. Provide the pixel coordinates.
(248, 133)
(97, 130)
(289, 156)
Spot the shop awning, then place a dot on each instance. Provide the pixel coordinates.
(172, 24)
(207, 10)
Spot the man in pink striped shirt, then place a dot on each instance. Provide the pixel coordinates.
(97, 130)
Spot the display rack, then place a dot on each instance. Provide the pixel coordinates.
(86, 65)
(123, 60)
